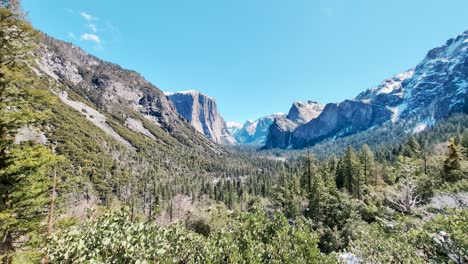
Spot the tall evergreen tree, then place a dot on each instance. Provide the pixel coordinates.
(464, 144)
(317, 197)
(452, 165)
(367, 161)
(412, 148)
(349, 172)
(24, 181)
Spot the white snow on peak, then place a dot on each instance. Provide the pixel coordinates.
(252, 127)
(394, 83)
(234, 125)
(278, 114)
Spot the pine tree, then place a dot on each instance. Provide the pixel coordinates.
(367, 161)
(412, 148)
(348, 172)
(452, 171)
(284, 196)
(316, 197)
(464, 144)
(24, 179)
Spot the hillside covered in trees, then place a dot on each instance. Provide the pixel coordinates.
(77, 190)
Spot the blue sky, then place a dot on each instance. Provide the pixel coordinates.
(256, 57)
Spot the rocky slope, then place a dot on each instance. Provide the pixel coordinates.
(436, 87)
(202, 113)
(114, 92)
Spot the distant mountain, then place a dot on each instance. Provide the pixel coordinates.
(280, 132)
(434, 88)
(233, 127)
(253, 132)
(202, 113)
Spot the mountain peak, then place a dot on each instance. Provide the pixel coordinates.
(202, 113)
(302, 112)
(188, 92)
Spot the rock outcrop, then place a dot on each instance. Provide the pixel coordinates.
(112, 90)
(202, 113)
(281, 131)
(302, 112)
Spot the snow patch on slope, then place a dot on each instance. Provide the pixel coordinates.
(390, 85)
(419, 128)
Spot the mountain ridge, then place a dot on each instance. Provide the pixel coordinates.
(434, 88)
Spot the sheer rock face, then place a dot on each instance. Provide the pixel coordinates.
(341, 119)
(202, 113)
(281, 130)
(280, 133)
(112, 89)
(435, 88)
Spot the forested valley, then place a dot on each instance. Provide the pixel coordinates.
(71, 193)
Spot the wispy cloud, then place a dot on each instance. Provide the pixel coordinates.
(87, 16)
(71, 35)
(91, 37)
(97, 32)
(114, 31)
(92, 27)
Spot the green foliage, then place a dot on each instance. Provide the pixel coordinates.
(445, 238)
(24, 102)
(376, 245)
(248, 237)
(349, 174)
(452, 165)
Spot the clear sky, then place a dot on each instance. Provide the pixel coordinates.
(256, 57)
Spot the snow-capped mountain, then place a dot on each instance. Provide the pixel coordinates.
(202, 113)
(436, 87)
(233, 127)
(253, 132)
